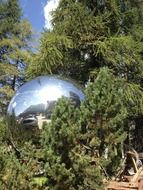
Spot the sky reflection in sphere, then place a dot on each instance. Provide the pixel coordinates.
(39, 96)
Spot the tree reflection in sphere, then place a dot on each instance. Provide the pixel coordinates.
(34, 101)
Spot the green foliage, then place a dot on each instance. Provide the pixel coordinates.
(80, 145)
(103, 33)
(104, 116)
(19, 164)
(14, 35)
(58, 140)
(49, 58)
(99, 43)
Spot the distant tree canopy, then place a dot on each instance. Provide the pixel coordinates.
(14, 35)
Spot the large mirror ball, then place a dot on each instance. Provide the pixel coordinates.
(34, 101)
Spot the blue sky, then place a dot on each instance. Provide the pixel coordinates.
(38, 12)
(33, 11)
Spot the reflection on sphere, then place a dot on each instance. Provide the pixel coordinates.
(34, 101)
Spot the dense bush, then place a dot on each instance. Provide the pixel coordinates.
(77, 149)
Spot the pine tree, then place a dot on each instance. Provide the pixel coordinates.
(83, 146)
(66, 164)
(102, 33)
(14, 34)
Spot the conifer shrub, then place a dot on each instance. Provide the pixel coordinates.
(81, 144)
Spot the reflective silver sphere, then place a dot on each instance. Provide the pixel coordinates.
(34, 101)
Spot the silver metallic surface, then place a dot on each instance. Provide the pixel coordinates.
(37, 98)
